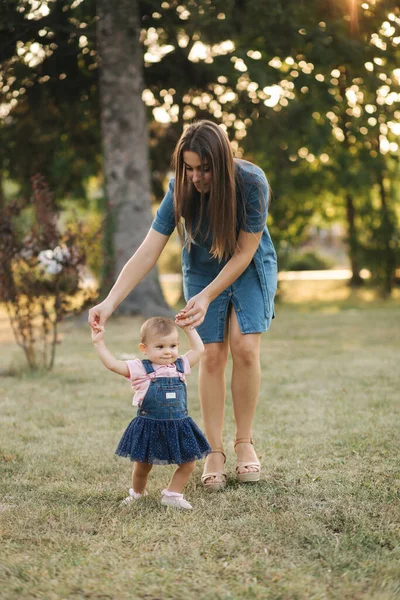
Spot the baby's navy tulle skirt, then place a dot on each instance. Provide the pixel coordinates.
(163, 442)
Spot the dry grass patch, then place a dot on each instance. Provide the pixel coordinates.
(323, 522)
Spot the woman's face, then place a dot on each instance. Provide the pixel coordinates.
(192, 162)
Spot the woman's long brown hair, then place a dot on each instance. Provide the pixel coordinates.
(211, 143)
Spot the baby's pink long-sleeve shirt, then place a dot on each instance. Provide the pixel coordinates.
(140, 380)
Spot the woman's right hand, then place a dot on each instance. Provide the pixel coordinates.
(99, 314)
(194, 312)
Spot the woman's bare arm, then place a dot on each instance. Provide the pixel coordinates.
(138, 266)
(132, 273)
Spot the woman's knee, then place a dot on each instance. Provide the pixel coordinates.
(214, 358)
(246, 352)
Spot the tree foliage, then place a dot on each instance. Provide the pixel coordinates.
(309, 90)
(49, 92)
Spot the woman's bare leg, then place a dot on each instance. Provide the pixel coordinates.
(246, 380)
(212, 392)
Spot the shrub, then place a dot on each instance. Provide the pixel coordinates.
(308, 261)
(40, 272)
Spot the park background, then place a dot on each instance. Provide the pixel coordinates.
(93, 98)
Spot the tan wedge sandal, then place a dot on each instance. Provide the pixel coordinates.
(250, 475)
(219, 482)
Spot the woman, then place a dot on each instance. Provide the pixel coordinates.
(229, 276)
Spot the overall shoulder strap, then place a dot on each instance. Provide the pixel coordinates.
(179, 365)
(148, 366)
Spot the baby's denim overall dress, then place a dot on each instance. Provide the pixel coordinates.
(162, 432)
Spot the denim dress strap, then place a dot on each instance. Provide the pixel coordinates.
(148, 366)
(179, 365)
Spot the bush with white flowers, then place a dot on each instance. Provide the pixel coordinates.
(40, 273)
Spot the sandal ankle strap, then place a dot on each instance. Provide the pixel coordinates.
(219, 451)
(244, 440)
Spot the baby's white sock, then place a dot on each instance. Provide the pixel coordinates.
(175, 500)
(133, 496)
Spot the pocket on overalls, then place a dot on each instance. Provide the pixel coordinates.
(169, 396)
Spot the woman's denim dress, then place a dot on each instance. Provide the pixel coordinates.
(252, 294)
(162, 432)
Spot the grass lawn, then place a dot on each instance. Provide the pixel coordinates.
(322, 524)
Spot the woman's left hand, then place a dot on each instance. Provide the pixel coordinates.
(194, 312)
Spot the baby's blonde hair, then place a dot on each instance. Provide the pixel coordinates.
(156, 326)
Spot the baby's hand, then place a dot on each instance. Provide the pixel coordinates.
(180, 321)
(97, 334)
(183, 321)
(179, 317)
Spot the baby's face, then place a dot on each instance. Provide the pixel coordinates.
(162, 350)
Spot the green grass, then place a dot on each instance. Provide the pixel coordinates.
(322, 524)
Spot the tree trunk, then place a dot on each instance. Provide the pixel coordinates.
(356, 280)
(388, 232)
(125, 147)
(1, 191)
